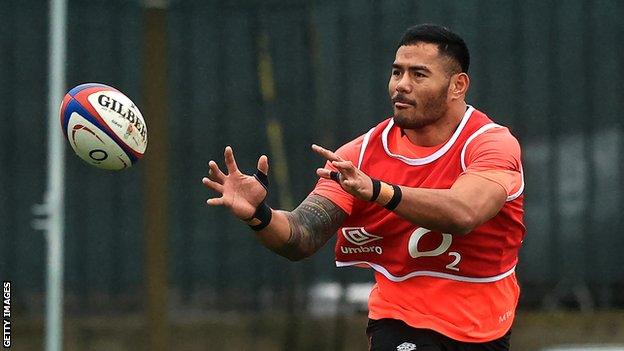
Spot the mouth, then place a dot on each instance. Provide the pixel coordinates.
(401, 102)
(402, 105)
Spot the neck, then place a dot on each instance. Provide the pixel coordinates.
(439, 131)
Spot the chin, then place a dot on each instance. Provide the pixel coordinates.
(412, 122)
(402, 121)
(403, 124)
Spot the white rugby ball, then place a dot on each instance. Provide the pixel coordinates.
(103, 126)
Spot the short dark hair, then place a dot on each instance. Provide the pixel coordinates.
(449, 43)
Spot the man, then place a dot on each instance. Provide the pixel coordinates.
(431, 199)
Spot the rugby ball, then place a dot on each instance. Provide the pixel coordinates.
(103, 126)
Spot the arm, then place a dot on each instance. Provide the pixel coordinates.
(471, 200)
(294, 235)
(300, 233)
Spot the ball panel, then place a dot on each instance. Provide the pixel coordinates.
(64, 119)
(94, 146)
(74, 107)
(82, 98)
(84, 86)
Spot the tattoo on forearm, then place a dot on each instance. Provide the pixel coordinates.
(311, 224)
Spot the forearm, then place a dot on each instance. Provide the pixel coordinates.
(277, 233)
(437, 209)
(471, 201)
(300, 233)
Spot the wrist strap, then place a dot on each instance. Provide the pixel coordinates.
(376, 189)
(386, 195)
(263, 215)
(396, 198)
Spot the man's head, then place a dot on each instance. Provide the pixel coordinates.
(429, 75)
(450, 45)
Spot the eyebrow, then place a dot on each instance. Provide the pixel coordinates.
(412, 68)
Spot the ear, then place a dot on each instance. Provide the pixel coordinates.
(458, 87)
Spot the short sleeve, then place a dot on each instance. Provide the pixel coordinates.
(496, 156)
(332, 190)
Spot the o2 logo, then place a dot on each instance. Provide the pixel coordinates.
(447, 239)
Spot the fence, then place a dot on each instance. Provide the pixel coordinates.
(275, 76)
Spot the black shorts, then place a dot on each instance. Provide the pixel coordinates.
(395, 335)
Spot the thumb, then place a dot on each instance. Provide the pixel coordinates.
(263, 164)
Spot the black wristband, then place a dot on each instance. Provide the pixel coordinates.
(376, 189)
(396, 198)
(263, 214)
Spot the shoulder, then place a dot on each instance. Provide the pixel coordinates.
(489, 132)
(495, 143)
(497, 135)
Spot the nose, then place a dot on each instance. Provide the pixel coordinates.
(404, 85)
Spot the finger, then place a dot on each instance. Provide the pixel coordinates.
(329, 155)
(217, 201)
(345, 167)
(230, 162)
(263, 164)
(212, 185)
(323, 173)
(214, 173)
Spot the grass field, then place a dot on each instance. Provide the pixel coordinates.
(532, 331)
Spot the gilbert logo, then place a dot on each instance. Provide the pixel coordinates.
(359, 236)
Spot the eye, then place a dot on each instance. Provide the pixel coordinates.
(420, 75)
(396, 72)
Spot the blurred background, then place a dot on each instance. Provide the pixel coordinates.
(149, 267)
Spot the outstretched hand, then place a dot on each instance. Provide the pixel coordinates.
(350, 178)
(240, 193)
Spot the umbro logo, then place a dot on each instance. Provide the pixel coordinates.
(359, 236)
(406, 346)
